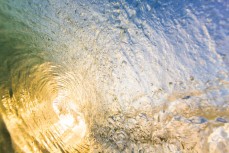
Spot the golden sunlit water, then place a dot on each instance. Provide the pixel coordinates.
(114, 76)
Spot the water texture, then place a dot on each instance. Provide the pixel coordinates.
(114, 76)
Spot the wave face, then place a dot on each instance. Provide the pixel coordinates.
(114, 76)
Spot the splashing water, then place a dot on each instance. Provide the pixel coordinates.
(114, 76)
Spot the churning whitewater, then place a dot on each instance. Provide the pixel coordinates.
(115, 76)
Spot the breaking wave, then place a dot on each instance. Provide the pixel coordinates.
(114, 76)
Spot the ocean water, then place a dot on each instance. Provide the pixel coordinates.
(114, 76)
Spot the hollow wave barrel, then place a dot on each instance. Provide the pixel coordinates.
(114, 76)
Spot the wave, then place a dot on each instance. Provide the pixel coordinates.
(114, 76)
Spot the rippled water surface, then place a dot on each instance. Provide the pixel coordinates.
(114, 76)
